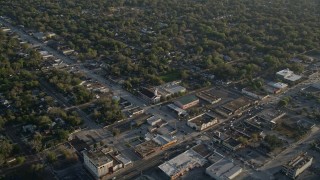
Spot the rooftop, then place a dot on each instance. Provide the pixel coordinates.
(147, 92)
(202, 149)
(298, 161)
(289, 75)
(208, 96)
(182, 162)
(270, 115)
(187, 99)
(98, 158)
(146, 148)
(177, 109)
(278, 85)
(202, 119)
(224, 169)
(232, 142)
(237, 103)
(123, 159)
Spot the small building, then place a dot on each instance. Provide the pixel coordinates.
(218, 137)
(182, 163)
(146, 148)
(170, 88)
(124, 160)
(237, 106)
(254, 94)
(202, 149)
(98, 163)
(167, 130)
(231, 144)
(288, 76)
(153, 120)
(297, 165)
(150, 96)
(135, 111)
(208, 96)
(187, 102)
(223, 169)
(164, 141)
(176, 109)
(275, 87)
(267, 118)
(202, 121)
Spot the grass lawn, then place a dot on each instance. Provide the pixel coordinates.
(171, 76)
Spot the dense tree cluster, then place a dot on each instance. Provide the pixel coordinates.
(23, 100)
(147, 38)
(69, 84)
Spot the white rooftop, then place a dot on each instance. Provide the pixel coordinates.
(153, 119)
(288, 75)
(285, 72)
(278, 85)
(182, 162)
(224, 169)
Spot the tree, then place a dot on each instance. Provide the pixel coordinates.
(51, 157)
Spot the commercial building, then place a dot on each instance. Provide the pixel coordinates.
(98, 163)
(202, 121)
(164, 141)
(187, 102)
(146, 148)
(153, 120)
(297, 165)
(149, 95)
(231, 144)
(135, 111)
(176, 109)
(237, 106)
(275, 88)
(208, 96)
(223, 169)
(266, 119)
(170, 89)
(288, 76)
(124, 160)
(254, 94)
(182, 163)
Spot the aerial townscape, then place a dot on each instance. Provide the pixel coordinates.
(159, 89)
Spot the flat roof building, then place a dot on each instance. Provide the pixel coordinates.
(176, 109)
(182, 163)
(237, 105)
(146, 148)
(202, 121)
(267, 118)
(208, 96)
(288, 75)
(97, 162)
(170, 89)
(223, 170)
(153, 120)
(297, 165)
(187, 102)
(149, 95)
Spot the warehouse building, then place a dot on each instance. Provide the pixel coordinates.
(223, 169)
(202, 121)
(297, 165)
(208, 96)
(187, 102)
(182, 163)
